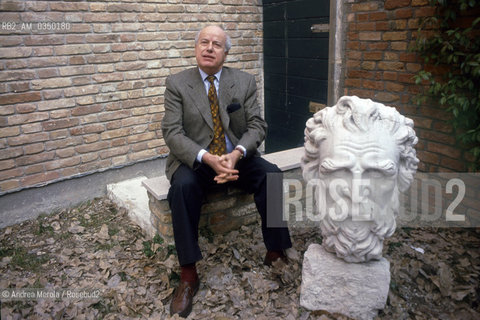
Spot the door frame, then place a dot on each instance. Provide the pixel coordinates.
(336, 45)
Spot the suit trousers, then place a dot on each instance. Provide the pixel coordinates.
(187, 192)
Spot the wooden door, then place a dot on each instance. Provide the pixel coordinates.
(295, 67)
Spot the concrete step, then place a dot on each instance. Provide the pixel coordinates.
(131, 195)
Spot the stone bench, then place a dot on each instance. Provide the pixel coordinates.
(225, 208)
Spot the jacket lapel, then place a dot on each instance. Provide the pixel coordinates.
(199, 96)
(226, 90)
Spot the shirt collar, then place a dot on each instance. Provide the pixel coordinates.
(205, 75)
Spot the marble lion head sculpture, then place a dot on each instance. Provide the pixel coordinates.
(359, 156)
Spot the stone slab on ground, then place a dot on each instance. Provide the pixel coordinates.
(357, 290)
(131, 195)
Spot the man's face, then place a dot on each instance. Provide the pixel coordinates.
(210, 49)
(360, 172)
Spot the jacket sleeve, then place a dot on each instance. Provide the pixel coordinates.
(180, 145)
(256, 126)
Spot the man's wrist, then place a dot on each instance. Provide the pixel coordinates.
(200, 155)
(242, 150)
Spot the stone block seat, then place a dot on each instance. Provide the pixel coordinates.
(225, 208)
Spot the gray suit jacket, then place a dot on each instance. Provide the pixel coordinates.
(187, 125)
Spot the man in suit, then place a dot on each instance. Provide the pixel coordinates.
(213, 127)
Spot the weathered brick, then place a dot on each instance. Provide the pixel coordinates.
(39, 178)
(414, 67)
(63, 143)
(399, 45)
(12, 173)
(51, 83)
(36, 168)
(366, 6)
(142, 155)
(395, 87)
(55, 104)
(33, 148)
(9, 185)
(60, 124)
(353, 82)
(7, 164)
(7, 110)
(386, 97)
(406, 78)
(393, 4)
(69, 6)
(127, 66)
(19, 52)
(373, 55)
(101, 78)
(404, 13)
(88, 128)
(16, 75)
(391, 66)
(108, 116)
(86, 148)
(31, 127)
(19, 97)
(76, 70)
(424, 12)
(73, 49)
(19, 86)
(392, 56)
(168, 8)
(101, 17)
(141, 137)
(35, 158)
(369, 36)
(382, 26)
(111, 152)
(443, 149)
(9, 132)
(62, 163)
(47, 62)
(12, 6)
(87, 109)
(369, 65)
(44, 39)
(47, 73)
(416, 3)
(80, 91)
(84, 100)
(91, 138)
(27, 118)
(394, 36)
(375, 85)
(12, 41)
(42, 51)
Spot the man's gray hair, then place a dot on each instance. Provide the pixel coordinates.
(228, 40)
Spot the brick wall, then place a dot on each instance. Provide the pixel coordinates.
(380, 66)
(82, 82)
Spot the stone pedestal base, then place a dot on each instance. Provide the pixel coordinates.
(357, 290)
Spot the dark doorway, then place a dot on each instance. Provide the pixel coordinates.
(295, 67)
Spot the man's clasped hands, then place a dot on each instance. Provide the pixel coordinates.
(223, 165)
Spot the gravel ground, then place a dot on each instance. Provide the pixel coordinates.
(435, 272)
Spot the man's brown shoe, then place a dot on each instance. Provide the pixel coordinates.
(183, 298)
(272, 256)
